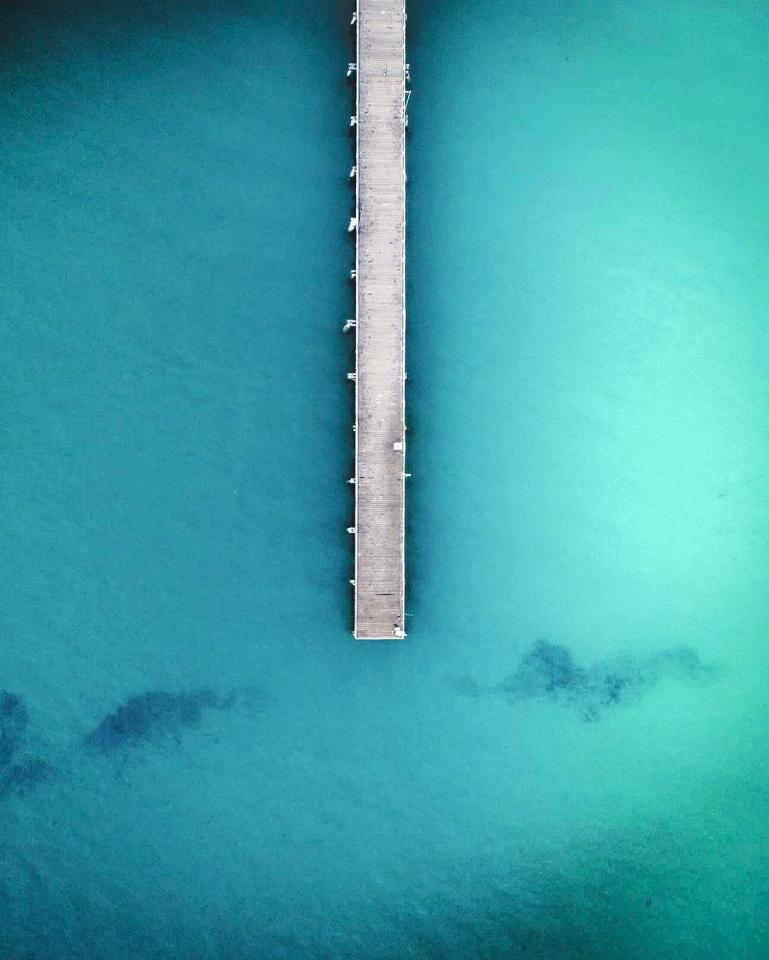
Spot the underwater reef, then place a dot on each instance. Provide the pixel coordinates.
(548, 672)
(152, 717)
(14, 720)
(19, 772)
(22, 777)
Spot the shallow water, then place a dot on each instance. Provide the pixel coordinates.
(588, 414)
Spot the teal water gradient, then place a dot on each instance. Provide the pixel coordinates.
(588, 412)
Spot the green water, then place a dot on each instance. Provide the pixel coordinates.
(588, 414)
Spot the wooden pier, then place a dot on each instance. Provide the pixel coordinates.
(380, 319)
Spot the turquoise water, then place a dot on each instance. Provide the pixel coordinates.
(588, 410)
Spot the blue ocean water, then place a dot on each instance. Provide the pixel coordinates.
(567, 756)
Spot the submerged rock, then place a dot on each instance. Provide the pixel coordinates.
(152, 717)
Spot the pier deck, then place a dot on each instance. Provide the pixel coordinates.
(380, 314)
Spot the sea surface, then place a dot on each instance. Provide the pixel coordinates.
(569, 755)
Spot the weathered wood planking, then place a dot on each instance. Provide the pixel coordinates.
(380, 436)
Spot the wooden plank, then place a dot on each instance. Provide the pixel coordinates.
(380, 435)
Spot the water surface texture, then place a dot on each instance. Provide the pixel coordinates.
(567, 757)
